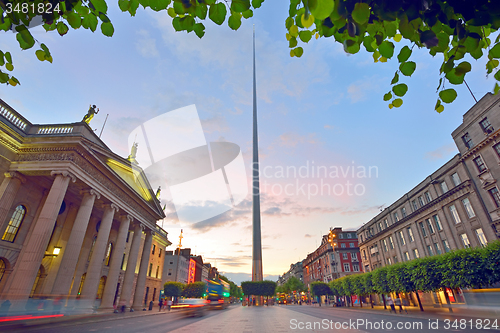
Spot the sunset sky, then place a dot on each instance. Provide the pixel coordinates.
(321, 115)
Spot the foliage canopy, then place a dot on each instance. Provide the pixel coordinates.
(457, 30)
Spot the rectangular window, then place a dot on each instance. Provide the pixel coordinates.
(414, 204)
(421, 201)
(341, 236)
(444, 187)
(422, 228)
(154, 248)
(351, 244)
(403, 212)
(157, 270)
(389, 262)
(364, 254)
(123, 262)
(361, 238)
(406, 256)
(497, 149)
(481, 237)
(396, 218)
(385, 223)
(456, 179)
(401, 238)
(429, 225)
(495, 195)
(415, 253)
(391, 243)
(479, 164)
(380, 227)
(410, 234)
(438, 249)
(429, 249)
(446, 246)
(468, 208)
(150, 269)
(439, 226)
(128, 235)
(395, 259)
(467, 140)
(486, 126)
(428, 197)
(354, 256)
(345, 256)
(454, 214)
(342, 245)
(355, 267)
(384, 242)
(347, 268)
(159, 254)
(465, 240)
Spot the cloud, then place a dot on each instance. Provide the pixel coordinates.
(292, 139)
(146, 45)
(231, 261)
(441, 152)
(359, 90)
(274, 211)
(308, 236)
(216, 123)
(328, 127)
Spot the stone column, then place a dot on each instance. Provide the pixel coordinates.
(8, 190)
(128, 280)
(74, 245)
(143, 271)
(31, 257)
(116, 260)
(91, 284)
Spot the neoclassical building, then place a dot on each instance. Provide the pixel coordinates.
(75, 218)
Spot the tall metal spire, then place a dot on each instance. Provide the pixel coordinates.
(257, 245)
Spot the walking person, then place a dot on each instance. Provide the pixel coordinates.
(161, 304)
(169, 304)
(391, 304)
(398, 303)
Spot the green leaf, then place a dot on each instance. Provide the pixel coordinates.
(62, 28)
(239, 6)
(74, 20)
(397, 102)
(292, 42)
(107, 29)
(307, 20)
(495, 51)
(9, 67)
(387, 96)
(179, 8)
(124, 5)
(440, 108)
(448, 95)
(453, 78)
(171, 12)
(234, 21)
(386, 49)
(8, 57)
(462, 68)
(199, 29)
(407, 68)
(176, 23)
(257, 3)
(40, 55)
(298, 52)
(294, 31)
(187, 23)
(404, 54)
(305, 36)
(2, 62)
(350, 46)
(201, 11)
(395, 79)
(100, 6)
(390, 29)
(496, 89)
(497, 76)
(90, 22)
(400, 90)
(361, 13)
(247, 14)
(24, 37)
(217, 13)
(321, 9)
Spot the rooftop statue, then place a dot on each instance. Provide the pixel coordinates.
(158, 192)
(133, 153)
(90, 114)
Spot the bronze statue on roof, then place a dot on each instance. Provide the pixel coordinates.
(90, 114)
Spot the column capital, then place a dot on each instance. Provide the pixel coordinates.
(128, 217)
(15, 174)
(91, 191)
(111, 206)
(64, 173)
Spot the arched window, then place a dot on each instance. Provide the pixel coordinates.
(2, 268)
(102, 283)
(14, 224)
(108, 254)
(92, 247)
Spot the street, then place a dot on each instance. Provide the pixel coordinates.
(291, 318)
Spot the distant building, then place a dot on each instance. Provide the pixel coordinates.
(333, 260)
(295, 271)
(177, 266)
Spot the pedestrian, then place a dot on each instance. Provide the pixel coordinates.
(397, 302)
(391, 304)
(161, 304)
(169, 304)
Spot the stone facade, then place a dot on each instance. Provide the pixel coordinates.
(72, 218)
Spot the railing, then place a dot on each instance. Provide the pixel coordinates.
(161, 231)
(64, 129)
(11, 115)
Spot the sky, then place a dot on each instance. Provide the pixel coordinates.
(331, 151)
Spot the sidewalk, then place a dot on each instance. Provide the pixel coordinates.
(89, 317)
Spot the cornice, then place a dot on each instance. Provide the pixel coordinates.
(479, 146)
